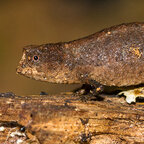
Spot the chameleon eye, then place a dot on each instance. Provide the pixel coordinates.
(35, 58)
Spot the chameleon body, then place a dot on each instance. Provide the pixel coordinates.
(111, 57)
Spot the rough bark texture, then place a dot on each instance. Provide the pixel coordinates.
(66, 119)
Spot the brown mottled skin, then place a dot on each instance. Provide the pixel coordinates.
(111, 57)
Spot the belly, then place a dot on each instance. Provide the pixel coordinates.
(119, 74)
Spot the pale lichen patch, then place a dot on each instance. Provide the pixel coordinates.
(136, 51)
(19, 141)
(17, 133)
(2, 128)
(109, 32)
(132, 94)
(15, 136)
(8, 102)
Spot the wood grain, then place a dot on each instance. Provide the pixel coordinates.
(67, 119)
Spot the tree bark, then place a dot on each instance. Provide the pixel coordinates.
(66, 119)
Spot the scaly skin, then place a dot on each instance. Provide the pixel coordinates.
(111, 57)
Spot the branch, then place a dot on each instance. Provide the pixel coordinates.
(66, 119)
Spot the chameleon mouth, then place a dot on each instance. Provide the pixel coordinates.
(30, 73)
(18, 70)
(24, 71)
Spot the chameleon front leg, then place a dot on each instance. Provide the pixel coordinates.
(97, 88)
(90, 90)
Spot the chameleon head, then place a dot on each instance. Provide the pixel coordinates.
(46, 63)
(42, 62)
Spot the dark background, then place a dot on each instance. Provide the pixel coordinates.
(42, 21)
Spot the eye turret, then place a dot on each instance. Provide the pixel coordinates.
(35, 58)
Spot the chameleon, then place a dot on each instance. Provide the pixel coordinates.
(112, 57)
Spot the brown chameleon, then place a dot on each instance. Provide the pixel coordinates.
(111, 57)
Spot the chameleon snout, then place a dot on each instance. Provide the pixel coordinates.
(19, 70)
(23, 69)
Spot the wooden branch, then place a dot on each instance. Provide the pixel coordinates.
(66, 119)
